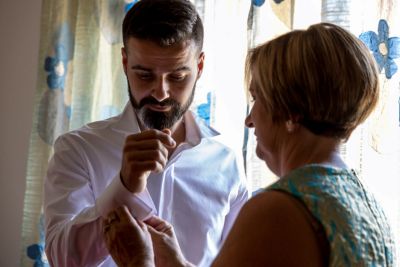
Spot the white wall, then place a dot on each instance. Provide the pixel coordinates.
(19, 44)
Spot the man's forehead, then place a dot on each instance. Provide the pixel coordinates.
(139, 67)
(135, 44)
(145, 55)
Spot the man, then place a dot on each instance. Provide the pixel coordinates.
(156, 157)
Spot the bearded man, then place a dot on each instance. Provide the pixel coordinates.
(156, 157)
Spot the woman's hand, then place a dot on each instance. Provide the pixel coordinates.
(128, 240)
(166, 247)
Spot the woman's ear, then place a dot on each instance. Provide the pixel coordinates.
(290, 127)
(292, 124)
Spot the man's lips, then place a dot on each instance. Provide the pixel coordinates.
(159, 108)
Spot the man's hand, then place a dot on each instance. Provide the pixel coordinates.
(166, 247)
(144, 152)
(127, 239)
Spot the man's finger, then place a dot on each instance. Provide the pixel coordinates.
(165, 138)
(143, 166)
(151, 155)
(149, 144)
(167, 131)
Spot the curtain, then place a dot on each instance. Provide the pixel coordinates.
(80, 79)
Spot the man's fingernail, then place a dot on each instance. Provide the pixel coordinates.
(167, 131)
(173, 143)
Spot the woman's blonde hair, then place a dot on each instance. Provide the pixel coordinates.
(323, 78)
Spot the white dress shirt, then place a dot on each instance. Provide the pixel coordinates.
(200, 191)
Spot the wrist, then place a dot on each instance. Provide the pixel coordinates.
(123, 182)
(143, 261)
(133, 187)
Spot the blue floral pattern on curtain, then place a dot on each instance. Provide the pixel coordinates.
(36, 251)
(385, 49)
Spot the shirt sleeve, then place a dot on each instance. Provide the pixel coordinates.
(73, 215)
(238, 199)
(116, 194)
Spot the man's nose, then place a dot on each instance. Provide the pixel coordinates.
(161, 89)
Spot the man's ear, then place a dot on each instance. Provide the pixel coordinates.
(124, 59)
(200, 64)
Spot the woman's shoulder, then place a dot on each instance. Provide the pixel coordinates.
(279, 208)
(270, 225)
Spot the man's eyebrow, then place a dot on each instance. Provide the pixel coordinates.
(183, 68)
(139, 67)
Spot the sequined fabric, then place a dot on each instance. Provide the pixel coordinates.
(354, 223)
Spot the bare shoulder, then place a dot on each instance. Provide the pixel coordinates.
(272, 229)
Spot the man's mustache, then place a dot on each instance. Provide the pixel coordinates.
(152, 101)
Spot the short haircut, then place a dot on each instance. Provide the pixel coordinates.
(323, 77)
(165, 22)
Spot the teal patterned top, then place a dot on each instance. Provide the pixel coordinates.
(354, 223)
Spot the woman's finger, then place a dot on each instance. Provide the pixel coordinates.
(160, 225)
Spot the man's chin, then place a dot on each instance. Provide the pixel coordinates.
(157, 120)
(154, 119)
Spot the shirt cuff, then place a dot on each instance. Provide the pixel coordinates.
(115, 195)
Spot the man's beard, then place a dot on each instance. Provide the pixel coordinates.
(157, 119)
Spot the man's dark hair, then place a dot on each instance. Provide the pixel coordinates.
(165, 22)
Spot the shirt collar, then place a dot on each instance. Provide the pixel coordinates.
(196, 129)
(126, 121)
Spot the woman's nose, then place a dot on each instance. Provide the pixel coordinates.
(248, 121)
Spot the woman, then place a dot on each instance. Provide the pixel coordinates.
(311, 88)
